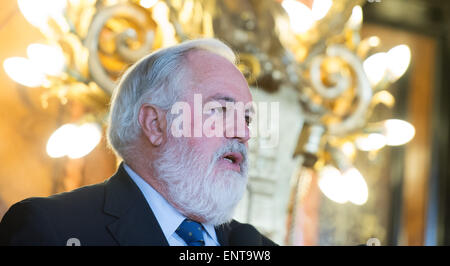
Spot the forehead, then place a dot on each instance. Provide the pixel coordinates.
(212, 74)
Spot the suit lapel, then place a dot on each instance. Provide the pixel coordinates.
(222, 233)
(136, 224)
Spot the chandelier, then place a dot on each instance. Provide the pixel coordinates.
(314, 47)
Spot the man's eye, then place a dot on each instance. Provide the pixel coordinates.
(217, 110)
(221, 109)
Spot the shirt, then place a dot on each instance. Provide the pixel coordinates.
(168, 217)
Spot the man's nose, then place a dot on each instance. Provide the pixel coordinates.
(241, 132)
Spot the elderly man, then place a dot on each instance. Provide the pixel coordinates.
(170, 189)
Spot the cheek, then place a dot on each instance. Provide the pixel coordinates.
(205, 145)
(209, 129)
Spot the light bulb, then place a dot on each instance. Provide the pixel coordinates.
(48, 57)
(375, 67)
(148, 3)
(371, 142)
(88, 136)
(38, 12)
(73, 140)
(399, 58)
(332, 184)
(58, 141)
(320, 8)
(356, 17)
(398, 132)
(300, 16)
(23, 71)
(343, 187)
(356, 186)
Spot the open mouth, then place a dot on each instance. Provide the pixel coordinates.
(234, 158)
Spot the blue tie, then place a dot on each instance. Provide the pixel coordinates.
(191, 232)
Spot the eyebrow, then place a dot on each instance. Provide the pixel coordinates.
(223, 97)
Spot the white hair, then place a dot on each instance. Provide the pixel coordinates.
(155, 79)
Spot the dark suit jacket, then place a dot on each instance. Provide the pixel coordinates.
(114, 212)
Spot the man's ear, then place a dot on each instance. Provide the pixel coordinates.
(153, 123)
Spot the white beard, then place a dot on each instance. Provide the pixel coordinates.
(195, 187)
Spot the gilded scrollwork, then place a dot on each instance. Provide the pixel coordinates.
(106, 64)
(349, 88)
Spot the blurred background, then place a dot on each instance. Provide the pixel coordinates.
(361, 139)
